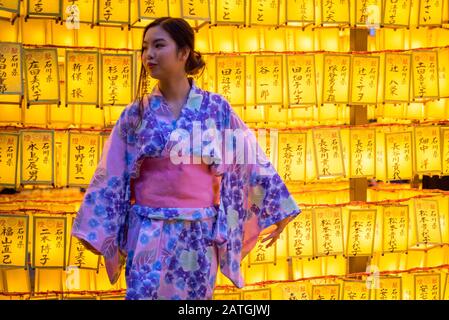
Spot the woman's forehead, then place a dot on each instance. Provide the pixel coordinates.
(156, 33)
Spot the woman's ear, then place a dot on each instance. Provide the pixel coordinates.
(184, 53)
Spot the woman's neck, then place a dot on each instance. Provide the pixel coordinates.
(175, 90)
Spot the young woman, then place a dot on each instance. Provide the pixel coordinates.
(177, 191)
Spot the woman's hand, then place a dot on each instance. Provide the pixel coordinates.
(277, 232)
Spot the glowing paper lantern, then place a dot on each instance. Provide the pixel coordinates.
(230, 12)
(195, 9)
(390, 288)
(397, 81)
(10, 6)
(113, 12)
(37, 154)
(9, 151)
(427, 286)
(231, 79)
(49, 242)
(301, 80)
(43, 8)
(292, 156)
(398, 150)
(395, 228)
(425, 74)
(74, 12)
(328, 153)
(264, 12)
(261, 294)
(368, 12)
(446, 288)
(396, 13)
(430, 12)
(355, 290)
(295, 291)
(11, 68)
(260, 254)
(335, 12)
(443, 71)
(81, 77)
(268, 88)
(427, 219)
(148, 10)
(362, 224)
(326, 292)
(328, 226)
(117, 75)
(336, 75)
(300, 235)
(362, 153)
(427, 149)
(14, 240)
(80, 257)
(227, 296)
(83, 158)
(364, 79)
(42, 75)
(445, 153)
(300, 11)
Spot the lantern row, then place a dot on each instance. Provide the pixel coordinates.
(298, 156)
(138, 13)
(298, 80)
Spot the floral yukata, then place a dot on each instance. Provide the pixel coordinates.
(171, 224)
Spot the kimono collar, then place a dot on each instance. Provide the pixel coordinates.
(193, 101)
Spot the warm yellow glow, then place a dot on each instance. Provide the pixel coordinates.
(362, 153)
(364, 79)
(9, 147)
(82, 77)
(49, 242)
(37, 155)
(399, 158)
(427, 149)
(14, 239)
(397, 77)
(336, 78)
(301, 80)
(231, 79)
(328, 152)
(292, 156)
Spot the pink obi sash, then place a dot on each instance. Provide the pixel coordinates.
(162, 184)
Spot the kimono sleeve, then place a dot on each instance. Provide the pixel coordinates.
(252, 197)
(100, 220)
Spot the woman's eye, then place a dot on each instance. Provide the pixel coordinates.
(159, 45)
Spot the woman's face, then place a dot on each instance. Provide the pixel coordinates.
(160, 57)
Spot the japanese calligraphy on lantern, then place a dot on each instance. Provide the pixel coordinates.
(81, 10)
(328, 153)
(113, 11)
(368, 12)
(195, 9)
(300, 235)
(268, 88)
(362, 153)
(425, 74)
(42, 7)
(355, 290)
(430, 12)
(397, 77)
(80, 257)
(10, 5)
(428, 229)
(292, 149)
(396, 13)
(37, 154)
(49, 242)
(364, 79)
(261, 294)
(264, 12)
(81, 77)
(261, 254)
(13, 240)
(395, 228)
(230, 11)
(390, 288)
(300, 11)
(10, 68)
(427, 149)
(326, 292)
(336, 78)
(399, 156)
(231, 78)
(427, 286)
(83, 158)
(335, 12)
(445, 153)
(227, 296)
(42, 76)
(301, 80)
(328, 226)
(117, 79)
(295, 291)
(443, 70)
(153, 8)
(361, 230)
(446, 289)
(9, 150)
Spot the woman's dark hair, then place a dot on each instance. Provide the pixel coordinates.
(183, 35)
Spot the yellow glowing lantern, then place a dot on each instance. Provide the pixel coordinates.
(14, 239)
(425, 74)
(301, 80)
(113, 12)
(326, 292)
(368, 13)
(11, 85)
(300, 235)
(395, 228)
(10, 6)
(355, 290)
(427, 222)
(49, 242)
(260, 294)
(328, 226)
(82, 159)
(269, 80)
(117, 79)
(389, 288)
(37, 156)
(41, 8)
(336, 72)
(361, 232)
(231, 79)
(396, 13)
(264, 12)
(335, 12)
(364, 79)
(430, 13)
(143, 11)
(81, 77)
(445, 150)
(80, 257)
(300, 11)
(399, 157)
(292, 156)
(427, 149)
(362, 153)
(75, 12)
(328, 153)
(195, 9)
(427, 286)
(9, 151)
(226, 12)
(227, 296)
(443, 71)
(397, 81)
(296, 291)
(261, 254)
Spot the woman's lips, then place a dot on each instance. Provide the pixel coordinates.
(151, 65)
